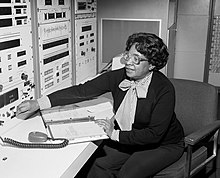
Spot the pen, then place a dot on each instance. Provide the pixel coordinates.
(72, 120)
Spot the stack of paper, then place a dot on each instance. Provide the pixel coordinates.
(78, 125)
(78, 132)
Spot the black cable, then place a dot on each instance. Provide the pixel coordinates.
(35, 145)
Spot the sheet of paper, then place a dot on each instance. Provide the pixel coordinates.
(81, 130)
(99, 111)
(63, 115)
(78, 132)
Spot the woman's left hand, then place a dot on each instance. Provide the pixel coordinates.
(107, 125)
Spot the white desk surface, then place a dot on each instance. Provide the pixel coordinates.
(40, 163)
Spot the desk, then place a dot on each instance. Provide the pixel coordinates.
(41, 163)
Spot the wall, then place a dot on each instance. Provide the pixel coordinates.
(192, 25)
(129, 9)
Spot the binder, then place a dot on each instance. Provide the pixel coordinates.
(77, 122)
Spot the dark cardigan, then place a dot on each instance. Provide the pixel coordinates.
(155, 120)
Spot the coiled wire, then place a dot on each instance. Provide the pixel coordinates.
(36, 145)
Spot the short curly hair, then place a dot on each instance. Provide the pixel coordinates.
(151, 46)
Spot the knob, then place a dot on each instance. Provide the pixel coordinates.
(24, 76)
(93, 49)
(83, 53)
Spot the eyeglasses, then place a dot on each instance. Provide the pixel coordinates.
(134, 58)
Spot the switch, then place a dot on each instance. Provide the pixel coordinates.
(83, 53)
(24, 76)
(93, 49)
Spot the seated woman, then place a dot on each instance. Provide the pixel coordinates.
(145, 135)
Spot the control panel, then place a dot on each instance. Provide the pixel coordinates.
(55, 55)
(85, 39)
(16, 57)
(36, 50)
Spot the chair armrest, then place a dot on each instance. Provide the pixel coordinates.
(197, 136)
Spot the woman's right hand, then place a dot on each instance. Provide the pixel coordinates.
(107, 125)
(27, 108)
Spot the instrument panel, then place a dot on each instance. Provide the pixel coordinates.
(16, 57)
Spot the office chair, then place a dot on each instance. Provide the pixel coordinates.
(196, 109)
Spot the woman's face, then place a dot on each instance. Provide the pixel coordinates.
(137, 71)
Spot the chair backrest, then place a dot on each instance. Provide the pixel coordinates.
(196, 103)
